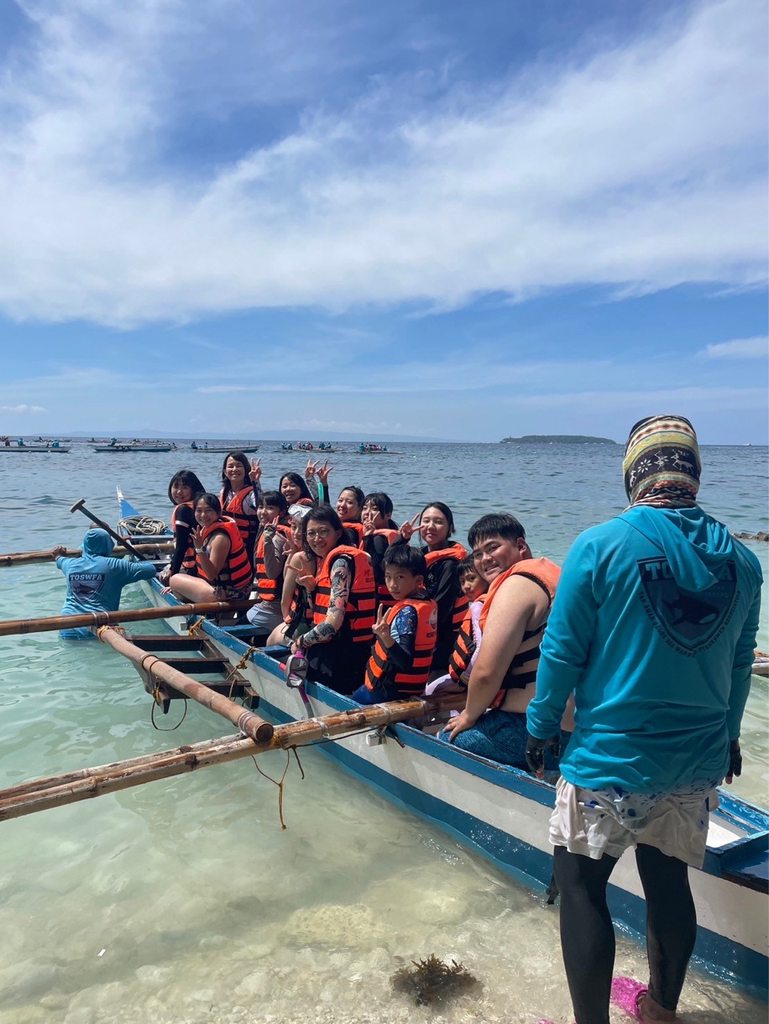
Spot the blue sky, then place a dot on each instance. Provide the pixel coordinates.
(417, 218)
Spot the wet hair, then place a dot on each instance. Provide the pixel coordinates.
(275, 500)
(444, 510)
(359, 495)
(403, 556)
(240, 457)
(186, 478)
(211, 500)
(320, 514)
(300, 482)
(496, 524)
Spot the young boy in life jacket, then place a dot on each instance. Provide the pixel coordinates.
(404, 635)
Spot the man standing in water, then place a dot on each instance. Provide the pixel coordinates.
(95, 581)
(653, 630)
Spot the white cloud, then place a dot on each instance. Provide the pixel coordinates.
(739, 348)
(640, 169)
(23, 408)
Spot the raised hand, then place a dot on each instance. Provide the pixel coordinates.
(310, 469)
(381, 627)
(409, 528)
(308, 581)
(323, 472)
(256, 471)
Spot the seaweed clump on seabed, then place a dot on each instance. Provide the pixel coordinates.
(433, 981)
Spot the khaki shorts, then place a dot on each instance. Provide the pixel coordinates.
(608, 821)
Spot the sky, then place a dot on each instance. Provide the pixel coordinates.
(419, 218)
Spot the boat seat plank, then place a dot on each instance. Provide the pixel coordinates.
(748, 863)
(192, 666)
(154, 642)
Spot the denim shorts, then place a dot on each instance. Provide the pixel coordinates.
(502, 736)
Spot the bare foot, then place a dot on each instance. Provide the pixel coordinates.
(650, 1011)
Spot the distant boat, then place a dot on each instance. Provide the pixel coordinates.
(34, 448)
(368, 448)
(224, 451)
(121, 448)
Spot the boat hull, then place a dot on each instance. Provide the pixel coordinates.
(503, 814)
(222, 451)
(121, 449)
(23, 448)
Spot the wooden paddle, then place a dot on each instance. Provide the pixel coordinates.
(13, 627)
(79, 506)
(31, 557)
(71, 787)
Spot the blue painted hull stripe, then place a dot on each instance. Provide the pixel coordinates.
(532, 867)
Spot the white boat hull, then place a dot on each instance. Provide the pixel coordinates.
(503, 813)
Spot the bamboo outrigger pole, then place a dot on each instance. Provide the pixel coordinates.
(12, 627)
(154, 670)
(72, 787)
(31, 557)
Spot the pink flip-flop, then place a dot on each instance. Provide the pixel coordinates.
(626, 995)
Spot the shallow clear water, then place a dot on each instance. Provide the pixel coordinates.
(183, 901)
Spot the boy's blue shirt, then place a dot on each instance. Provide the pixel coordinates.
(95, 581)
(653, 627)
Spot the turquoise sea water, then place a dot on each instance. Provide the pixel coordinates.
(183, 901)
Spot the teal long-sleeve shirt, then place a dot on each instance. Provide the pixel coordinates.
(653, 629)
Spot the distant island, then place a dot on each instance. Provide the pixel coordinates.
(557, 439)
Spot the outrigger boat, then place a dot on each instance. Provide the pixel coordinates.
(60, 449)
(503, 813)
(122, 448)
(224, 451)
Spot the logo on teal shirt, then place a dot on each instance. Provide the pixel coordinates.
(688, 620)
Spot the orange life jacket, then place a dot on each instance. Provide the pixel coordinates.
(522, 670)
(356, 528)
(267, 588)
(236, 571)
(412, 681)
(233, 508)
(361, 604)
(466, 642)
(382, 593)
(455, 552)
(189, 563)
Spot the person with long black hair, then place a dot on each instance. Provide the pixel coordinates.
(183, 490)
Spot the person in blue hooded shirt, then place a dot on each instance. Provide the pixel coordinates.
(95, 581)
(653, 630)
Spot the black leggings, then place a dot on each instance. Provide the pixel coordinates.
(587, 933)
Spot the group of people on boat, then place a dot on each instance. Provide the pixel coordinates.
(627, 671)
(307, 446)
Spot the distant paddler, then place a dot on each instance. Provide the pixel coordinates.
(95, 580)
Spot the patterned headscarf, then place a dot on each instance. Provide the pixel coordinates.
(662, 463)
